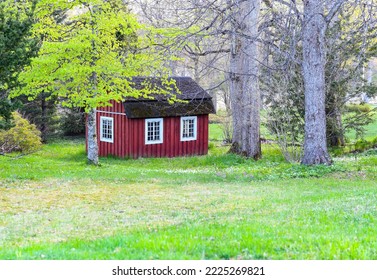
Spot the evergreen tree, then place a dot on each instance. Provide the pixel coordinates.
(42, 112)
(72, 121)
(16, 50)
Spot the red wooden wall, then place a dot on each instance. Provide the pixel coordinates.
(129, 137)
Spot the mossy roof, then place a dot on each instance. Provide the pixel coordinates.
(184, 97)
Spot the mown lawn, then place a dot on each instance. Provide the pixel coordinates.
(54, 206)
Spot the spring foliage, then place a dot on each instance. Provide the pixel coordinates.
(90, 51)
(22, 137)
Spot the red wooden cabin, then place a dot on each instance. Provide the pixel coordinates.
(146, 127)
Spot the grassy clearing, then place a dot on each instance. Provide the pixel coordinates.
(220, 206)
(292, 219)
(67, 160)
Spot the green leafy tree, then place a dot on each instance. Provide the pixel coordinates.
(16, 49)
(91, 50)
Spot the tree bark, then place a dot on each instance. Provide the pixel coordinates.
(92, 115)
(244, 86)
(313, 67)
(92, 138)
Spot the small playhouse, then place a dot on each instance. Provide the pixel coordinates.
(154, 127)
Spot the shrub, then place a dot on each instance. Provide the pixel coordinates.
(73, 122)
(22, 137)
(362, 145)
(356, 108)
(216, 118)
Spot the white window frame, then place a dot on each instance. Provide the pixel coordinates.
(161, 134)
(106, 139)
(195, 118)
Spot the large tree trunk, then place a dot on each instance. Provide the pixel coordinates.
(313, 67)
(92, 137)
(92, 115)
(244, 87)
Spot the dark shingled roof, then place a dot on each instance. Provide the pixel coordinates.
(192, 99)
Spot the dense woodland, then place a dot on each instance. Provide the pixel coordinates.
(303, 69)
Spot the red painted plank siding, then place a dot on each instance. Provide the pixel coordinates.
(205, 134)
(116, 148)
(129, 136)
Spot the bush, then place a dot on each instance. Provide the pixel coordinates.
(356, 108)
(362, 145)
(22, 137)
(216, 118)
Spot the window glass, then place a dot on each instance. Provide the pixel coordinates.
(153, 131)
(188, 128)
(106, 129)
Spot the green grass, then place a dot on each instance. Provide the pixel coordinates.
(215, 132)
(67, 160)
(221, 206)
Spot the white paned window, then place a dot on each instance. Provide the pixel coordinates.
(188, 128)
(107, 129)
(154, 131)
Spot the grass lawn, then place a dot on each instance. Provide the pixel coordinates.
(221, 206)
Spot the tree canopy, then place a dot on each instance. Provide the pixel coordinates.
(17, 47)
(90, 52)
